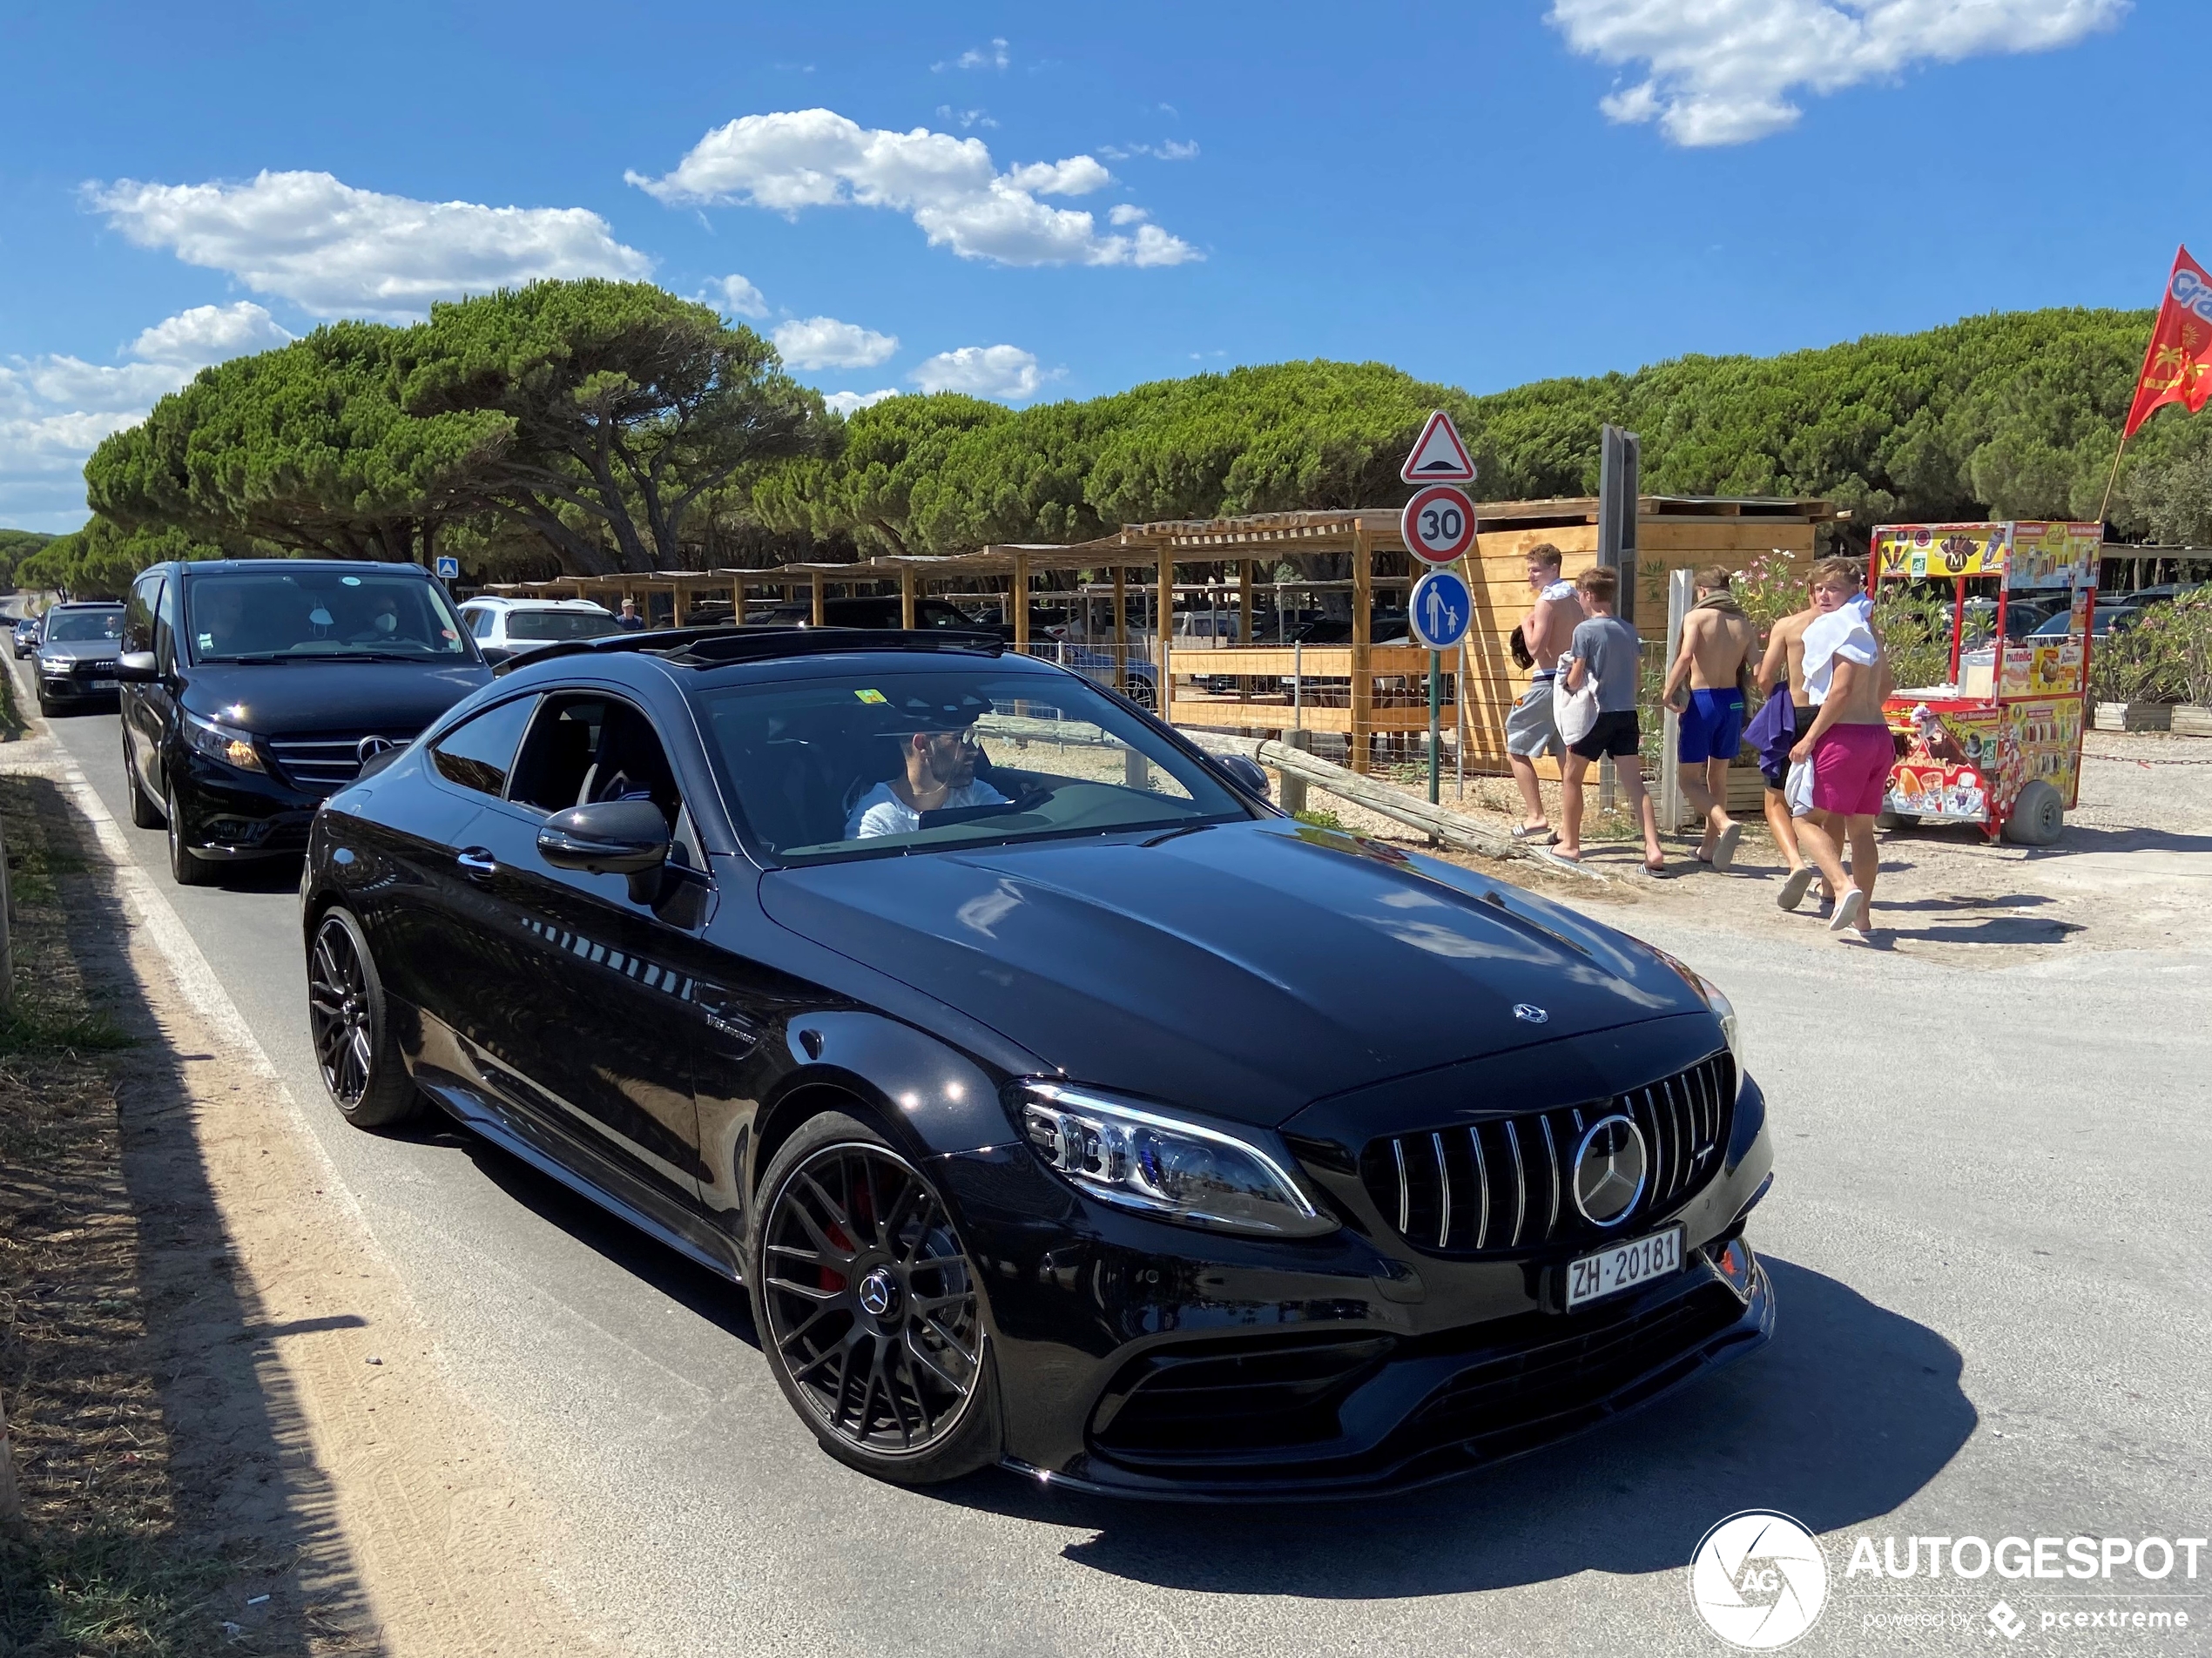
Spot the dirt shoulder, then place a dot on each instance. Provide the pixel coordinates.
(233, 1432)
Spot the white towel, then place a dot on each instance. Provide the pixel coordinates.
(1842, 634)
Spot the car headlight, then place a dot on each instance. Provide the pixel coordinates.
(52, 662)
(1709, 993)
(1141, 1158)
(221, 742)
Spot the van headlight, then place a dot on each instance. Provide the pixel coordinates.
(220, 742)
(1143, 1158)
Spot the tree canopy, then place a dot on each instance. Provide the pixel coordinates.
(593, 414)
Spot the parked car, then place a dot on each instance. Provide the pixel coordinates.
(77, 645)
(25, 636)
(504, 627)
(2023, 614)
(876, 611)
(254, 688)
(1110, 1126)
(2109, 618)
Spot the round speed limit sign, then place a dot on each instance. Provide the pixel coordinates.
(1438, 525)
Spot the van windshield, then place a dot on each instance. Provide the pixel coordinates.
(287, 614)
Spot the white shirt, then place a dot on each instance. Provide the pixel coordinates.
(880, 811)
(1842, 635)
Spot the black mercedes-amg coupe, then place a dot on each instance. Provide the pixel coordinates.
(1059, 1102)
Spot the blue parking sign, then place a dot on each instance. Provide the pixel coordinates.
(449, 568)
(1442, 609)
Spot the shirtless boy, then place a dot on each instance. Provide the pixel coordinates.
(1785, 663)
(1705, 689)
(1848, 743)
(1530, 728)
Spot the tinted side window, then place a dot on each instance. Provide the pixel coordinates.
(589, 748)
(480, 623)
(478, 753)
(137, 615)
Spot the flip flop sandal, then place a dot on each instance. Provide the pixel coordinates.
(1550, 835)
(1847, 910)
(1794, 886)
(1724, 848)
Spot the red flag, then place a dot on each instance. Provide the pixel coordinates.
(2178, 366)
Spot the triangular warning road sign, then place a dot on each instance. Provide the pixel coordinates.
(1438, 457)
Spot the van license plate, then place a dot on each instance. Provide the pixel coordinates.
(1624, 1266)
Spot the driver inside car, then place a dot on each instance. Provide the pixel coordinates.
(940, 749)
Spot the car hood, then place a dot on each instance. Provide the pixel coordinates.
(1243, 970)
(289, 699)
(83, 649)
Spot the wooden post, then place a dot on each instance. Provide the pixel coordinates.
(907, 584)
(1363, 684)
(1163, 628)
(1291, 796)
(737, 603)
(1680, 595)
(681, 606)
(821, 600)
(1120, 630)
(1018, 595)
(1245, 601)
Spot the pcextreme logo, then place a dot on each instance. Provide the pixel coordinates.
(1758, 1580)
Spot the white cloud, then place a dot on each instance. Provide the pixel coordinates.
(805, 158)
(1172, 150)
(993, 55)
(1721, 70)
(336, 251)
(847, 402)
(54, 410)
(1004, 371)
(824, 342)
(1128, 214)
(966, 119)
(737, 297)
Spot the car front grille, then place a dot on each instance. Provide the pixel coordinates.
(1238, 1396)
(1507, 1184)
(326, 764)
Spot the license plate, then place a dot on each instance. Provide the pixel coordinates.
(104, 685)
(1623, 1265)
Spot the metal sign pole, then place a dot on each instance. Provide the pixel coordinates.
(1679, 585)
(1435, 750)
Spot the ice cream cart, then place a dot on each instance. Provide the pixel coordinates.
(2000, 745)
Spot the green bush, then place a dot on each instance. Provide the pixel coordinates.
(2166, 657)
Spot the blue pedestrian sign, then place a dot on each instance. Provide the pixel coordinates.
(449, 568)
(1442, 609)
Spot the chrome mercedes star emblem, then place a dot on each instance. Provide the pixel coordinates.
(369, 747)
(1609, 1167)
(877, 1293)
(1530, 1012)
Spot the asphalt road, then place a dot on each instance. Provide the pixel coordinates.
(1986, 1234)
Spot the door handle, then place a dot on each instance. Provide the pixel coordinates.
(476, 862)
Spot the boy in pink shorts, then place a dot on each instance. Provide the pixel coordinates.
(1849, 742)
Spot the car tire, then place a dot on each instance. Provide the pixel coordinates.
(2037, 818)
(187, 867)
(350, 1022)
(852, 1256)
(145, 814)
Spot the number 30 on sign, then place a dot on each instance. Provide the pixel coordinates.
(1438, 525)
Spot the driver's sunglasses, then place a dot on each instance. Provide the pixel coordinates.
(969, 739)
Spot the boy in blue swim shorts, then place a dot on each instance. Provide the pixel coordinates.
(1705, 688)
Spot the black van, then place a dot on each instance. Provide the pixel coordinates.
(254, 688)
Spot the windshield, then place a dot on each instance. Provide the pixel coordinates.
(560, 624)
(303, 613)
(83, 624)
(880, 761)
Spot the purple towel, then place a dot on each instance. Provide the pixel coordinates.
(1773, 730)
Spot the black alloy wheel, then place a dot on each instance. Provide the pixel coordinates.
(145, 814)
(361, 1063)
(187, 867)
(867, 1307)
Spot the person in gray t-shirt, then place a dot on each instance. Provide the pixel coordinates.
(1606, 650)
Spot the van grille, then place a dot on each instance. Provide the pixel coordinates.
(326, 764)
(1505, 1184)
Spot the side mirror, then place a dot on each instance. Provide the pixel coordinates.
(610, 838)
(1249, 775)
(137, 668)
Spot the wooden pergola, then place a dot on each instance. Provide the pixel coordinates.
(1672, 531)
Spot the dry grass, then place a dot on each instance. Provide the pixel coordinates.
(102, 1569)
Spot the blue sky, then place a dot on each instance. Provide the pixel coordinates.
(1480, 195)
